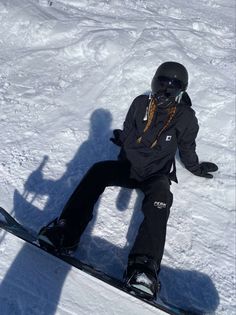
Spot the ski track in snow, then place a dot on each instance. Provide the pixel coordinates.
(69, 72)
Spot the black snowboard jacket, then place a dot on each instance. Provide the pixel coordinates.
(181, 133)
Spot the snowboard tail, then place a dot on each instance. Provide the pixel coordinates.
(9, 224)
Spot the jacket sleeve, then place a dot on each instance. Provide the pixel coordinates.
(129, 122)
(187, 144)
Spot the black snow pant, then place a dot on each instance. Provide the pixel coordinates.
(156, 205)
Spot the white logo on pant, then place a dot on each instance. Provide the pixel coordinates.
(159, 204)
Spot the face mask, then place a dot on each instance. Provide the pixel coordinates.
(164, 100)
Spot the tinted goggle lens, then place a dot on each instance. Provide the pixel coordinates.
(167, 83)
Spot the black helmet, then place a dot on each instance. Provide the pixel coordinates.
(171, 78)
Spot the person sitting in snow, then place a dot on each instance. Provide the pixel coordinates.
(156, 126)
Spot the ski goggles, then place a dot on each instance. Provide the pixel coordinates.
(168, 83)
(169, 87)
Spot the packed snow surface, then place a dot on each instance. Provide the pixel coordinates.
(69, 71)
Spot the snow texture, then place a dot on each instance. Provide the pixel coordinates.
(69, 71)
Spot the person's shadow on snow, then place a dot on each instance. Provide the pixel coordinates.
(57, 191)
(92, 248)
(34, 287)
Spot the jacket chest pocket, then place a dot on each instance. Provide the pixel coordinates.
(167, 141)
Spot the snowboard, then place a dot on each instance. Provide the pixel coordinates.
(9, 224)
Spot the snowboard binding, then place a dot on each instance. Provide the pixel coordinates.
(53, 238)
(141, 277)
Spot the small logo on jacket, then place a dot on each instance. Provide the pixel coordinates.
(168, 138)
(159, 204)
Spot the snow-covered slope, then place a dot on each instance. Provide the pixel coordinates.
(69, 72)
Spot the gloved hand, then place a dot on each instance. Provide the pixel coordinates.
(116, 140)
(205, 168)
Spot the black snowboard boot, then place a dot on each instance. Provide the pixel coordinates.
(56, 237)
(142, 277)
